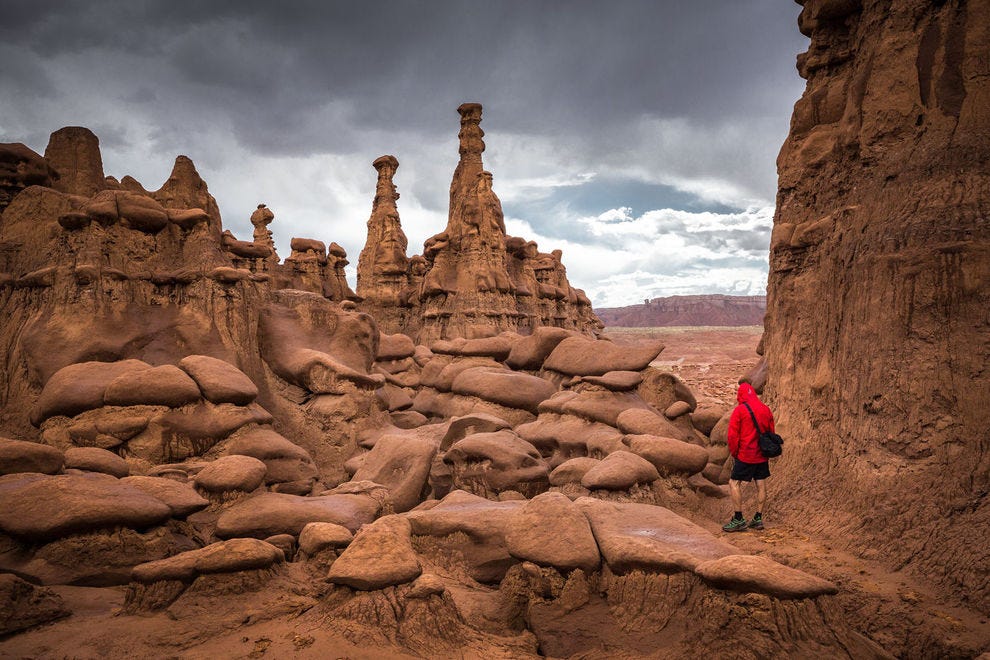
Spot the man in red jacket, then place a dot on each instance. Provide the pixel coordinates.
(750, 463)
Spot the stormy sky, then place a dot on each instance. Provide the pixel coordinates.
(637, 136)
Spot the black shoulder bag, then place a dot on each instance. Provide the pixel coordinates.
(770, 444)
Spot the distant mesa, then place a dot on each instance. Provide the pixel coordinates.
(702, 310)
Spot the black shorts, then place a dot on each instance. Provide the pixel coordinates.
(748, 471)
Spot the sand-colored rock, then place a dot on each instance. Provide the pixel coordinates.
(230, 473)
(401, 462)
(507, 388)
(223, 557)
(268, 514)
(493, 462)
(549, 530)
(620, 470)
(94, 459)
(381, 555)
(318, 536)
(23, 605)
(649, 538)
(48, 507)
(642, 421)
(80, 387)
(219, 381)
(572, 471)
(750, 573)
(21, 167)
(159, 386)
(74, 152)
(180, 497)
(284, 460)
(578, 356)
(669, 455)
(20, 456)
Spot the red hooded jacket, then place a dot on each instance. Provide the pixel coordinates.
(742, 434)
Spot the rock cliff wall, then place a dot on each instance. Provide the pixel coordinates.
(689, 311)
(877, 329)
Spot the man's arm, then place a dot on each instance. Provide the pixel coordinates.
(735, 426)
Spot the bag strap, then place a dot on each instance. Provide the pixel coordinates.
(755, 423)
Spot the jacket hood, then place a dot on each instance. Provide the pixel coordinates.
(745, 393)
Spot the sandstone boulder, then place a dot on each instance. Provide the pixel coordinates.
(401, 462)
(158, 386)
(506, 388)
(20, 456)
(617, 381)
(572, 471)
(232, 473)
(577, 356)
(180, 497)
(94, 459)
(223, 557)
(550, 530)
(643, 421)
(284, 460)
(219, 381)
(40, 508)
(395, 347)
(620, 470)
(80, 387)
(269, 514)
(530, 352)
(488, 463)
(669, 455)
(381, 555)
(318, 536)
(751, 573)
(23, 605)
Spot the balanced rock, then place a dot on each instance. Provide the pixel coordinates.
(80, 387)
(381, 555)
(669, 455)
(572, 471)
(752, 573)
(232, 473)
(493, 462)
(219, 381)
(223, 557)
(269, 514)
(318, 536)
(577, 356)
(180, 497)
(530, 352)
(159, 386)
(284, 460)
(94, 459)
(507, 388)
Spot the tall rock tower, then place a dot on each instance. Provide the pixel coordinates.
(383, 266)
(877, 326)
(467, 291)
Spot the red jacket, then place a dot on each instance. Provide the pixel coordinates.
(742, 434)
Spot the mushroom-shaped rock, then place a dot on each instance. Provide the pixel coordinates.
(550, 531)
(381, 555)
(493, 462)
(180, 497)
(269, 514)
(617, 381)
(80, 387)
(497, 348)
(229, 473)
(577, 356)
(401, 462)
(317, 536)
(508, 388)
(466, 425)
(530, 352)
(21, 456)
(669, 455)
(159, 386)
(223, 557)
(94, 459)
(566, 436)
(751, 573)
(41, 508)
(572, 471)
(643, 421)
(219, 381)
(620, 470)
(649, 538)
(285, 461)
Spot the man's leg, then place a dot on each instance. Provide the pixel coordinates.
(738, 522)
(761, 499)
(735, 490)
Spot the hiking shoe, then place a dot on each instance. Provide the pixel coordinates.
(756, 522)
(735, 525)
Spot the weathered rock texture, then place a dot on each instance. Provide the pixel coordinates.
(688, 310)
(877, 337)
(472, 280)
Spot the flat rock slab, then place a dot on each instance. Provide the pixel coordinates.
(381, 555)
(180, 497)
(94, 459)
(620, 470)
(223, 557)
(42, 508)
(219, 381)
(507, 388)
(159, 386)
(530, 352)
(669, 455)
(617, 381)
(269, 514)
(550, 530)
(649, 538)
(317, 536)
(229, 473)
(21, 456)
(577, 356)
(751, 573)
(80, 387)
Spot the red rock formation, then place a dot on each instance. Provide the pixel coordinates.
(689, 311)
(74, 152)
(21, 167)
(383, 268)
(877, 334)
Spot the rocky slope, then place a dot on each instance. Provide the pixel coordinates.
(704, 310)
(877, 332)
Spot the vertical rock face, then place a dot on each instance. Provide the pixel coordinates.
(185, 189)
(467, 291)
(21, 167)
(383, 268)
(878, 336)
(74, 152)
